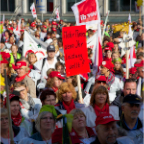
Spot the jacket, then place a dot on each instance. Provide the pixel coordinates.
(19, 134)
(12, 61)
(91, 115)
(31, 85)
(137, 134)
(34, 139)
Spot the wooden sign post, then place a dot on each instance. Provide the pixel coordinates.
(75, 52)
(8, 108)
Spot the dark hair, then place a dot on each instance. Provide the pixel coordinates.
(89, 52)
(45, 93)
(60, 40)
(106, 38)
(58, 64)
(138, 38)
(130, 81)
(15, 98)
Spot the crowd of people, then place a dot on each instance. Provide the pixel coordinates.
(41, 95)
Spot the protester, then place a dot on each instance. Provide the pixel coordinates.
(45, 125)
(114, 84)
(17, 132)
(99, 104)
(129, 120)
(46, 63)
(17, 119)
(66, 96)
(55, 80)
(107, 132)
(29, 105)
(80, 133)
(14, 55)
(22, 71)
(32, 59)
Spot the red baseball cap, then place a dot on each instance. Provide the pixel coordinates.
(108, 64)
(21, 30)
(100, 78)
(108, 48)
(19, 65)
(132, 70)
(10, 98)
(110, 44)
(56, 74)
(54, 23)
(33, 24)
(54, 29)
(11, 28)
(140, 64)
(104, 119)
(44, 26)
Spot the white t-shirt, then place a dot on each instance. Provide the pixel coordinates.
(45, 68)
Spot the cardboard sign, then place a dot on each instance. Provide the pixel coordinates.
(75, 50)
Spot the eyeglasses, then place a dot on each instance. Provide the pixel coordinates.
(136, 105)
(2, 119)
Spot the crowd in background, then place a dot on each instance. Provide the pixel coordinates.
(40, 92)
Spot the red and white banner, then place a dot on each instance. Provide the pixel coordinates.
(132, 57)
(57, 14)
(33, 10)
(34, 45)
(86, 12)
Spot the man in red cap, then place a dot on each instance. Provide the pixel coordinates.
(33, 28)
(107, 132)
(114, 83)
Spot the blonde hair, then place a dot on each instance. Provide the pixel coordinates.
(4, 112)
(38, 120)
(77, 112)
(32, 54)
(100, 89)
(50, 70)
(66, 87)
(50, 82)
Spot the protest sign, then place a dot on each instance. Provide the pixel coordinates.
(86, 12)
(34, 45)
(75, 50)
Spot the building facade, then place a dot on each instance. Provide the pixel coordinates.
(119, 9)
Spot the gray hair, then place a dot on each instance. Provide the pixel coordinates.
(37, 125)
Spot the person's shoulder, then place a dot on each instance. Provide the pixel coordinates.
(124, 140)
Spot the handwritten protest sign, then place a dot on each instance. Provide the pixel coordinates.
(75, 50)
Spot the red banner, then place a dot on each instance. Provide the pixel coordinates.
(87, 11)
(75, 50)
